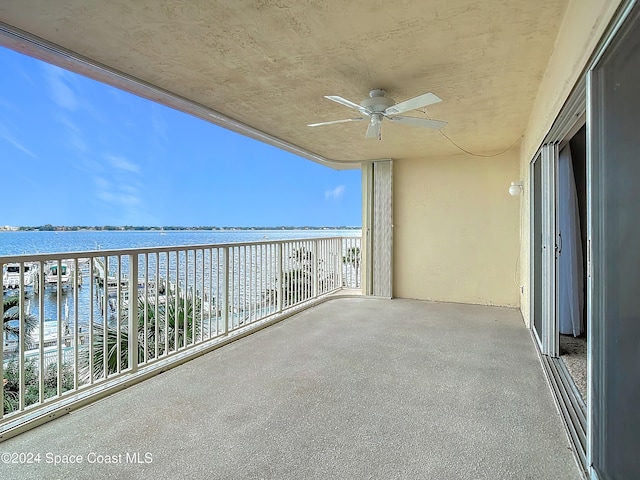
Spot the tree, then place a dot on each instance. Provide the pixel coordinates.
(176, 327)
(11, 320)
(31, 383)
(11, 380)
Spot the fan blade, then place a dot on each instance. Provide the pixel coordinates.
(420, 101)
(374, 130)
(347, 103)
(419, 122)
(357, 119)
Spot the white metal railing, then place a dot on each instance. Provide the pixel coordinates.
(68, 317)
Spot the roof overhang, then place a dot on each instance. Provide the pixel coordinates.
(262, 69)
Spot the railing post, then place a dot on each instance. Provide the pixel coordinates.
(225, 289)
(280, 280)
(133, 312)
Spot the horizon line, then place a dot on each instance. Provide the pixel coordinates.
(49, 227)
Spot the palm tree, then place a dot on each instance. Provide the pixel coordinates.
(176, 328)
(11, 327)
(11, 317)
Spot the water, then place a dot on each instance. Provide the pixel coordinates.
(18, 243)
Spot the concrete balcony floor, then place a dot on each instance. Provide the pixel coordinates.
(355, 388)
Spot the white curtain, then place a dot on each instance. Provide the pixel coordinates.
(570, 269)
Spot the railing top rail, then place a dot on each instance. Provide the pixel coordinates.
(142, 250)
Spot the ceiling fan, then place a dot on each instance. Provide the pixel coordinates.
(378, 107)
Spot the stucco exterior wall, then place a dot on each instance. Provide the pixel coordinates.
(456, 229)
(582, 28)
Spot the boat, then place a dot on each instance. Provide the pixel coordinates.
(11, 275)
(52, 276)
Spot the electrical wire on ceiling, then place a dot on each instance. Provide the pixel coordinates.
(467, 151)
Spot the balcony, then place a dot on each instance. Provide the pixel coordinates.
(355, 387)
(338, 386)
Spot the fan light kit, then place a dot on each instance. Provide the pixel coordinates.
(378, 107)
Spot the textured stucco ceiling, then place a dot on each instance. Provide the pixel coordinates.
(269, 63)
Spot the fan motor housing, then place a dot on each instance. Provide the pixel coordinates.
(377, 101)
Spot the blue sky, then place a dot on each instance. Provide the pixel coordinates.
(77, 152)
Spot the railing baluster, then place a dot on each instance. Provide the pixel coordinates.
(77, 277)
(253, 272)
(241, 286)
(186, 300)
(119, 311)
(188, 292)
(279, 279)
(105, 317)
(156, 301)
(91, 316)
(203, 296)
(133, 313)
(145, 304)
(21, 341)
(210, 290)
(246, 309)
(314, 263)
(175, 299)
(226, 289)
(60, 324)
(250, 281)
(167, 298)
(264, 279)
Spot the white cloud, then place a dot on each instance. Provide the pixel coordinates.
(9, 138)
(121, 163)
(335, 194)
(157, 121)
(61, 92)
(7, 105)
(119, 199)
(119, 195)
(102, 183)
(75, 137)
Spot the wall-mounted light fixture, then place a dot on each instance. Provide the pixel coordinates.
(515, 189)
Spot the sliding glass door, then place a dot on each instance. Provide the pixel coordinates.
(615, 260)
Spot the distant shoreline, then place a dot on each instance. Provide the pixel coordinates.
(62, 228)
